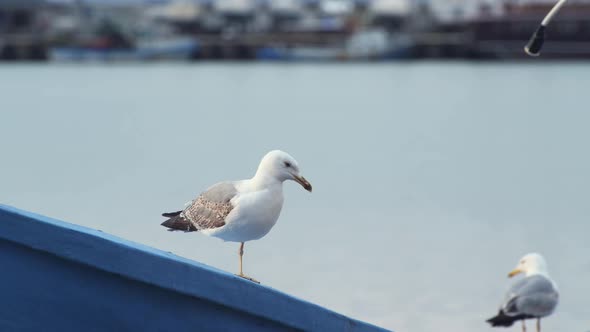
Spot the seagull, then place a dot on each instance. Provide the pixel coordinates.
(241, 211)
(534, 296)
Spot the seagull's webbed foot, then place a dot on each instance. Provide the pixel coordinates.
(248, 278)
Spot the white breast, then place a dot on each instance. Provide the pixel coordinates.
(253, 216)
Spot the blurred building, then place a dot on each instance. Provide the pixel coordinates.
(499, 30)
(22, 28)
(112, 30)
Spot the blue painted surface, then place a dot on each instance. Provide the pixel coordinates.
(57, 276)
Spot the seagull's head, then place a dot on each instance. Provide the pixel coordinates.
(530, 264)
(282, 167)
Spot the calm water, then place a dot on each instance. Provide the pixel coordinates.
(430, 180)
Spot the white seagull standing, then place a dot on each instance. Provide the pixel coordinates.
(534, 296)
(240, 211)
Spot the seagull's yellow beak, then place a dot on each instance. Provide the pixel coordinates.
(514, 272)
(303, 182)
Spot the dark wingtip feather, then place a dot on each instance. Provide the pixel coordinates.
(501, 319)
(178, 223)
(171, 214)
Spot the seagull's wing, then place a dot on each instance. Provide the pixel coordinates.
(208, 211)
(532, 296)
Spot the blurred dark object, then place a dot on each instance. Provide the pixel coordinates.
(535, 44)
(533, 47)
(22, 27)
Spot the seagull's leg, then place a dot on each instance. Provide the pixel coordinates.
(538, 324)
(241, 272)
(523, 326)
(241, 252)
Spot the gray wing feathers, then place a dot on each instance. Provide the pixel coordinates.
(211, 207)
(535, 296)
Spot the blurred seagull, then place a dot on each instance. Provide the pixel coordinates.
(534, 296)
(240, 211)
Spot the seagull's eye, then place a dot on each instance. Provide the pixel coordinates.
(287, 164)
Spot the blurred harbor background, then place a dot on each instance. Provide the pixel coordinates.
(431, 177)
(285, 30)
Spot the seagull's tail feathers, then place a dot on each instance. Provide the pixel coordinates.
(501, 319)
(176, 222)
